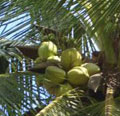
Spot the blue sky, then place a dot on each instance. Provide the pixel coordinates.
(12, 24)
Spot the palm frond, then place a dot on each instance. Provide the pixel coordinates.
(65, 105)
(76, 103)
(19, 94)
(55, 18)
(64, 17)
(8, 50)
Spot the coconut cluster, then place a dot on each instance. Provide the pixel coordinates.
(71, 71)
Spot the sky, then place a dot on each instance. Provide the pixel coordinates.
(12, 24)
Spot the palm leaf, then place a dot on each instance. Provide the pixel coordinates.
(65, 105)
(20, 98)
(47, 19)
(76, 103)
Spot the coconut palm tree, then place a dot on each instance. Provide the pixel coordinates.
(87, 25)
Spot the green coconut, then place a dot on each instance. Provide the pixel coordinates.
(50, 87)
(78, 76)
(47, 49)
(70, 58)
(63, 89)
(53, 59)
(38, 60)
(55, 74)
(39, 79)
(92, 68)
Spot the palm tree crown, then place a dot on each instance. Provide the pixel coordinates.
(92, 27)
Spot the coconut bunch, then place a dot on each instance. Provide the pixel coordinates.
(71, 72)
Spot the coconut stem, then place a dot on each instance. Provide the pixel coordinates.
(109, 102)
(48, 107)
